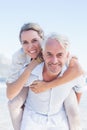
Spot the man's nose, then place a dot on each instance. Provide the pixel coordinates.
(55, 60)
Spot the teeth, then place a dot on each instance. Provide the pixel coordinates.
(32, 51)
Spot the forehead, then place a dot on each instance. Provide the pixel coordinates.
(53, 45)
(29, 34)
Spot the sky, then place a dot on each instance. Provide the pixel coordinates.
(68, 17)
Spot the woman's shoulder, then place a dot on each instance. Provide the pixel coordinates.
(19, 56)
(19, 52)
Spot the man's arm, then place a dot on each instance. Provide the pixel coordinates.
(78, 95)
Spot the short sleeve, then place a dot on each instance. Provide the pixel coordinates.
(81, 84)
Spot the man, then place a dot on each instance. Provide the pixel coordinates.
(45, 111)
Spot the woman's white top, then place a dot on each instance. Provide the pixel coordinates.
(19, 61)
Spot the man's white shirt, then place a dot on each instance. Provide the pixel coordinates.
(51, 101)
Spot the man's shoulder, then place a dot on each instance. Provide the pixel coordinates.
(63, 70)
(38, 69)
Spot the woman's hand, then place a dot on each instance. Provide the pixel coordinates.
(39, 86)
(40, 58)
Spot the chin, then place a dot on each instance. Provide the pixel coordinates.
(54, 72)
(33, 57)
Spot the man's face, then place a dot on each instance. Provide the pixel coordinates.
(31, 43)
(55, 57)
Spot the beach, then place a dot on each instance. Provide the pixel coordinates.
(5, 121)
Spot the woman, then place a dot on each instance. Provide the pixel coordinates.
(31, 36)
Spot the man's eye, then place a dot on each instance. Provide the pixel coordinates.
(49, 54)
(60, 55)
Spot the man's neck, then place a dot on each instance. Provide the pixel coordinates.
(48, 76)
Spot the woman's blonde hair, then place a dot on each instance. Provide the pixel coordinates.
(32, 26)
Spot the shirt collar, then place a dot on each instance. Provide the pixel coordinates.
(39, 70)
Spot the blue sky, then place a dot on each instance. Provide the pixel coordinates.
(67, 17)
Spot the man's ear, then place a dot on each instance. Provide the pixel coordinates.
(68, 55)
(43, 54)
(68, 58)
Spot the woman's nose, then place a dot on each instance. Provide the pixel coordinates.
(30, 46)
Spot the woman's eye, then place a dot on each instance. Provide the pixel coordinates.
(24, 42)
(34, 40)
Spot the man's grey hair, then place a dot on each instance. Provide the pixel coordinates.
(62, 39)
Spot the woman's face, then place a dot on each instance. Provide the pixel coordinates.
(30, 41)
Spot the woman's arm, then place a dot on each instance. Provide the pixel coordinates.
(15, 87)
(74, 70)
(78, 95)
